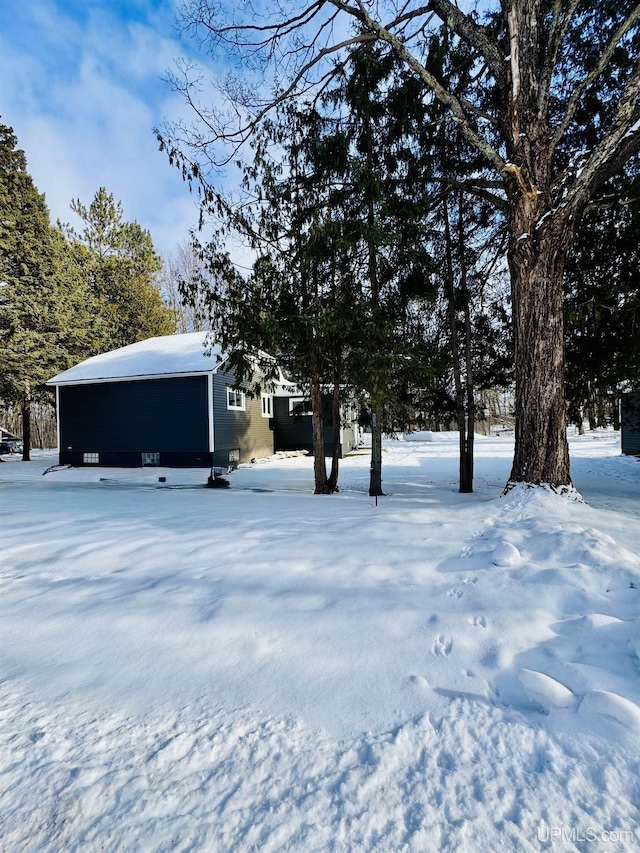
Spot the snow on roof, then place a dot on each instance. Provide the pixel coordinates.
(163, 356)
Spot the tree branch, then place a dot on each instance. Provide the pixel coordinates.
(474, 34)
(442, 94)
(558, 30)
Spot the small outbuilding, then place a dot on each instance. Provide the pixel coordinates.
(630, 424)
(166, 401)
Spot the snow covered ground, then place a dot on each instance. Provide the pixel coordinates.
(259, 668)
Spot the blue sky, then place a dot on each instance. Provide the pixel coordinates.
(80, 83)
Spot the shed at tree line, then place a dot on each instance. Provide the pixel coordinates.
(630, 423)
(166, 401)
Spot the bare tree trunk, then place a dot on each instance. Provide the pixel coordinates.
(463, 468)
(466, 480)
(470, 401)
(332, 484)
(615, 413)
(317, 426)
(375, 474)
(26, 422)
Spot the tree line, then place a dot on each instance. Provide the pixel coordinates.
(67, 294)
(401, 170)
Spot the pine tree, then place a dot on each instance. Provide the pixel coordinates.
(121, 268)
(602, 306)
(44, 313)
(295, 304)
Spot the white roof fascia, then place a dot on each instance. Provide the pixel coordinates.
(134, 378)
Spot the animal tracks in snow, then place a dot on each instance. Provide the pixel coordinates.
(442, 646)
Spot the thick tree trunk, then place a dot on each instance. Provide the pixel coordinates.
(541, 450)
(375, 473)
(540, 237)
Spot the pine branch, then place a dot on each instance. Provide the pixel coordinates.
(621, 141)
(591, 78)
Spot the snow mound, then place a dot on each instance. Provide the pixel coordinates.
(523, 500)
(419, 435)
(601, 620)
(613, 707)
(546, 691)
(505, 554)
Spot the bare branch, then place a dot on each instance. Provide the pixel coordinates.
(441, 92)
(474, 34)
(238, 135)
(198, 12)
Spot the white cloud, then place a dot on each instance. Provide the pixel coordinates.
(83, 98)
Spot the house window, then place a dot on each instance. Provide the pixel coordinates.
(234, 455)
(298, 406)
(267, 405)
(90, 458)
(150, 459)
(236, 400)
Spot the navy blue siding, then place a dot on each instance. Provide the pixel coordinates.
(630, 418)
(296, 432)
(120, 420)
(248, 432)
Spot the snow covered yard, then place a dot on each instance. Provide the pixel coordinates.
(258, 668)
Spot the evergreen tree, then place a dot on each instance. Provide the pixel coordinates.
(44, 314)
(121, 268)
(602, 306)
(386, 205)
(295, 304)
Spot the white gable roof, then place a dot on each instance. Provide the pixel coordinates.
(171, 355)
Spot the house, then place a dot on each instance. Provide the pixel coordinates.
(630, 423)
(165, 401)
(169, 401)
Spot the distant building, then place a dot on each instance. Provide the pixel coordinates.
(7, 435)
(630, 424)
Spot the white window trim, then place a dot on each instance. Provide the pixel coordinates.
(243, 400)
(267, 410)
(296, 401)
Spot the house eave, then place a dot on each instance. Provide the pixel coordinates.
(98, 380)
